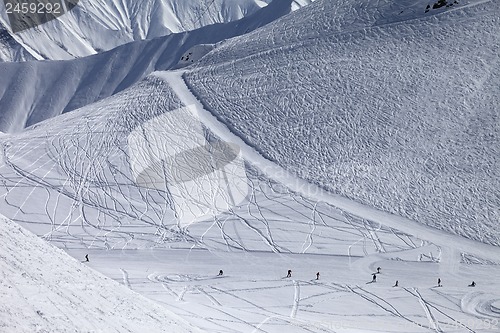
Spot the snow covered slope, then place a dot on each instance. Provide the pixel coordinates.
(72, 181)
(43, 289)
(223, 162)
(34, 91)
(383, 102)
(100, 25)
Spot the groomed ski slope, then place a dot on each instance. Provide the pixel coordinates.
(312, 192)
(74, 181)
(43, 289)
(379, 102)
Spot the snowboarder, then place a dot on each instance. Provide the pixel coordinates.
(473, 284)
(289, 273)
(86, 257)
(374, 279)
(396, 284)
(317, 276)
(221, 273)
(378, 269)
(439, 282)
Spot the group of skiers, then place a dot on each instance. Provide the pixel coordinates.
(374, 276)
(396, 284)
(289, 274)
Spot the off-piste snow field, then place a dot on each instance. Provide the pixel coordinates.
(354, 139)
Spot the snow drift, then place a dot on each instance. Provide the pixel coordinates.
(45, 290)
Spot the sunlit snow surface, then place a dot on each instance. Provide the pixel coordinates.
(78, 181)
(74, 185)
(100, 25)
(399, 115)
(31, 92)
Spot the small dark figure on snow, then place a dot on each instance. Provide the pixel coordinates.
(221, 273)
(317, 276)
(439, 282)
(374, 278)
(289, 273)
(396, 284)
(473, 284)
(378, 269)
(87, 257)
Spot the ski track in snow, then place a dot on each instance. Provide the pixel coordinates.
(373, 128)
(101, 216)
(126, 280)
(434, 324)
(313, 192)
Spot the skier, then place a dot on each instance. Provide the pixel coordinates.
(439, 282)
(473, 284)
(289, 273)
(378, 269)
(396, 284)
(317, 276)
(86, 257)
(374, 279)
(221, 273)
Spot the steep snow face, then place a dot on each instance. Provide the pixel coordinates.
(43, 289)
(34, 91)
(100, 25)
(391, 106)
(95, 26)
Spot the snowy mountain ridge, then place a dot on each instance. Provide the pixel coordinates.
(96, 26)
(328, 171)
(31, 92)
(100, 25)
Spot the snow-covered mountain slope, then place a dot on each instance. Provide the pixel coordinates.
(74, 180)
(223, 164)
(34, 91)
(100, 25)
(392, 106)
(43, 289)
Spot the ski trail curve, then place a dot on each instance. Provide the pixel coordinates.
(314, 192)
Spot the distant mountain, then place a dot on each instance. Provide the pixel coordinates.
(100, 25)
(38, 90)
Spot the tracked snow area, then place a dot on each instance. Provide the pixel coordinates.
(70, 181)
(43, 289)
(387, 105)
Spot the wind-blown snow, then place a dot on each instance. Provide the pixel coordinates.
(43, 289)
(393, 107)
